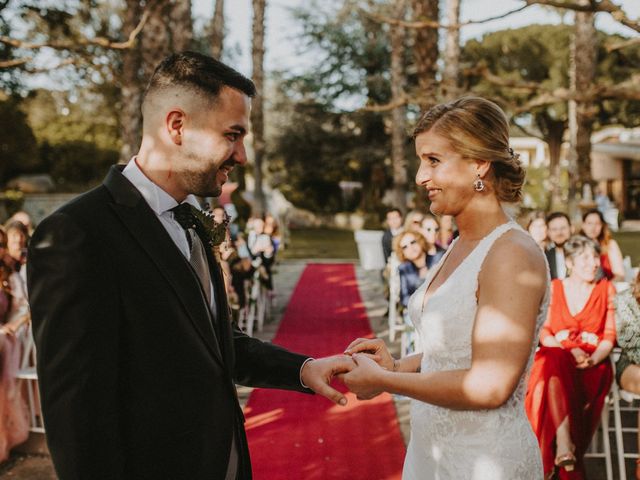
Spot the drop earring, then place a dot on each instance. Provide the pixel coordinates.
(478, 185)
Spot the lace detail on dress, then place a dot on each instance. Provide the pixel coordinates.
(446, 444)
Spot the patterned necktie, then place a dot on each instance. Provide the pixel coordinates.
(183, 214)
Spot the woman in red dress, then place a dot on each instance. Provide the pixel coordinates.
(571, 374)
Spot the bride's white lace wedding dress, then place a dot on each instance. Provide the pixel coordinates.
(449, 444)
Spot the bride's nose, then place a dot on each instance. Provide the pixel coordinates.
(423, 175)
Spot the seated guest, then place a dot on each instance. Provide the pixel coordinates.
(17, 241)
(13, 292)
(262, 249)
(24, 218)
(595, 228)
(5, 273)
(537, 228)
(447, 231)
(394, 227)
(627, 305)
(272, 229)
(413, 219)
(558, 231)
(411, 248)
(571, 373)
(429, 229)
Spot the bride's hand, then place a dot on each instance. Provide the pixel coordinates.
(375, 349)
(364, 380)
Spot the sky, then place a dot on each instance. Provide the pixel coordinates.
(281, 29)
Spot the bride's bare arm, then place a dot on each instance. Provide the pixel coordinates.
(511, 286)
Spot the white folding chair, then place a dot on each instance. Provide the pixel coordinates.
(28, 374)
(600, 446)
(628, 397)
(396, 323)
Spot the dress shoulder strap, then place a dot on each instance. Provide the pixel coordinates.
(487, 242)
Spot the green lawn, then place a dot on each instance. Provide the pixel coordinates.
(321, 243)
(630, 245)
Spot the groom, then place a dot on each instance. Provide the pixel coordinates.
(137, 357)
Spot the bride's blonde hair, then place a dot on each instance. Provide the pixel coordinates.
(477, 128)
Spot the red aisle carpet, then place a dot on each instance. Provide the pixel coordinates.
(298, 436)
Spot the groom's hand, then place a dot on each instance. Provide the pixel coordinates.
(317, 375)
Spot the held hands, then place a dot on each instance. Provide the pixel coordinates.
(375, 349)
(365, 379)
(317, 375)
(372, 359)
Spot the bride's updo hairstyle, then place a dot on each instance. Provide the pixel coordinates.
(478, 129)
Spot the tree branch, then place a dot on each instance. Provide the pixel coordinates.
(484, 71)
(594, 6)
(15, 62)
(64, 63)
(625, 44)
(627, 90)
(524, 130)
(387, 107)
(82, 42)
(433, 24)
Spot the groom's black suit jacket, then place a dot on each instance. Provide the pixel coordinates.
(136, 381)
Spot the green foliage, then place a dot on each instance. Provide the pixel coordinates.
(539, 55)
(352, 51)
(77, 135)
(18, 147)
(75, 164)
(317, 143)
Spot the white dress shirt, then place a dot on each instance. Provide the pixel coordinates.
(561, 266)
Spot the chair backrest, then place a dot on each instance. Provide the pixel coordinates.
(25, 335)
(629, 271)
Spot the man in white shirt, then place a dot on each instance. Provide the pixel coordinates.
(558, 231)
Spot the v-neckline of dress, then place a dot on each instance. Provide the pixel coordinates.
(586, 303)
(426, 299)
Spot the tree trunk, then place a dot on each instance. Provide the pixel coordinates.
(257, 112)
(552, 131)
(554, 141)
(217, 27)
(398, 128)
(581, 114)
(451, 72)
(426, 51)
(155, 39)
(181, 25)
(131, 87)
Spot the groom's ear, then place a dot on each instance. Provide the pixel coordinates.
(174, 123)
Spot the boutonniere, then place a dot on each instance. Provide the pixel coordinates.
(211, 232)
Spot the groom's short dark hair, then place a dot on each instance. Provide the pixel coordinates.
(197, 72)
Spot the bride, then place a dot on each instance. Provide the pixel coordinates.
(477, 313)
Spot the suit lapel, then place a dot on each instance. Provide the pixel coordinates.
(145, 227)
